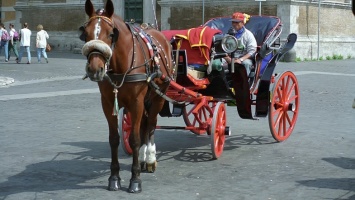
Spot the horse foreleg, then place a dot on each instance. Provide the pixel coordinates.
(114, 181)
(135, 185)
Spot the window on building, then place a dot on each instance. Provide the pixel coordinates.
(134, 10)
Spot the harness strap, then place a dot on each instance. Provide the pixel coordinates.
(127, 77)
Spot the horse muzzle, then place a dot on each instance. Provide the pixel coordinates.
(95, 75)
(98, 54)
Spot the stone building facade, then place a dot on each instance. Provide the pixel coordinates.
(61, 18)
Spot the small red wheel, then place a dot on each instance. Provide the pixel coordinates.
(197, 127)
(125, 127)
(218, 128)
(284, 106)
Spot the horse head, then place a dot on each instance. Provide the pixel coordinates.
(100, 35)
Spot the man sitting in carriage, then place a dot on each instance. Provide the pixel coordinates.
(246, 42)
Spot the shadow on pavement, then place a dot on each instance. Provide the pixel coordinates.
(63, 174)
(192, 148)
(347, 184)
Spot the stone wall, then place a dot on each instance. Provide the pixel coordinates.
(337, 28)
(61, 18)
(336, 31)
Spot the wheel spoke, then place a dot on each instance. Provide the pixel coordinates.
(287, 85)
(194, 121)
(284, 131)
(294, 97)
(288, 119)
(278, 118)
(279, 93)
(203, 111)
(289, 93)
(279, 125)
(276, 111)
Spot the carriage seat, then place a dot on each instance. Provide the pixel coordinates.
(260, 26)
(197, 42)
(265, 29)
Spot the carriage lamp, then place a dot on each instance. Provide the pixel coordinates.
(229, 43)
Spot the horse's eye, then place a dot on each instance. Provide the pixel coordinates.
(114, 35)
(81, 33)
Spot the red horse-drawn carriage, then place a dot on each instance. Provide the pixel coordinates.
(135, 70)
(200, 98)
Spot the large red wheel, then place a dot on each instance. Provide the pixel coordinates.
(218, 128)
(198, 125)
(284, 106)
(125, 127)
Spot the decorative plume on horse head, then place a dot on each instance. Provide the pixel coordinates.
(133, 68)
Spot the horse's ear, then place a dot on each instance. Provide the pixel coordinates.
(89, 8)
(109, 8)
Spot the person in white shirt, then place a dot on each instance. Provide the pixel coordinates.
(25, 35)
(12, 41)
(41, 43)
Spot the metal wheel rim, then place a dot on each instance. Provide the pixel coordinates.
(219, 122)
(282, 120)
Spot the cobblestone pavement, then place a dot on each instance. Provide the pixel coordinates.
(54, 142)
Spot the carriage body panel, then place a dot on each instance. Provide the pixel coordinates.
(231, 86)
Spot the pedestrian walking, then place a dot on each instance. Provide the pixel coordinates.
(25, 38)
(41, 43)
(4, 41)
(14, 37)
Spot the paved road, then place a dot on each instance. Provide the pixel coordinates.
(54, 142)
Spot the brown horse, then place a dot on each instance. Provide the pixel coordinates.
(133, 69)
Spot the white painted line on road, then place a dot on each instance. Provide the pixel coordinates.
(47, 94)
(46, 80)
(96, 90)
(323, 73)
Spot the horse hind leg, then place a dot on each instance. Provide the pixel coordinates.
(147, 152)
(151, 157)
(147, 157)
(151, 122)
(143, 157)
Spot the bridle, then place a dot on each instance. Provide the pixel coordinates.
(126, 77)
(97, 32)
(153, 53)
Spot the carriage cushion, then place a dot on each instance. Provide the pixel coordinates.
(197, 41)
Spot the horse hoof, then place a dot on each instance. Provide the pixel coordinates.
(151, 167)
(135, 186)
(114, 184)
